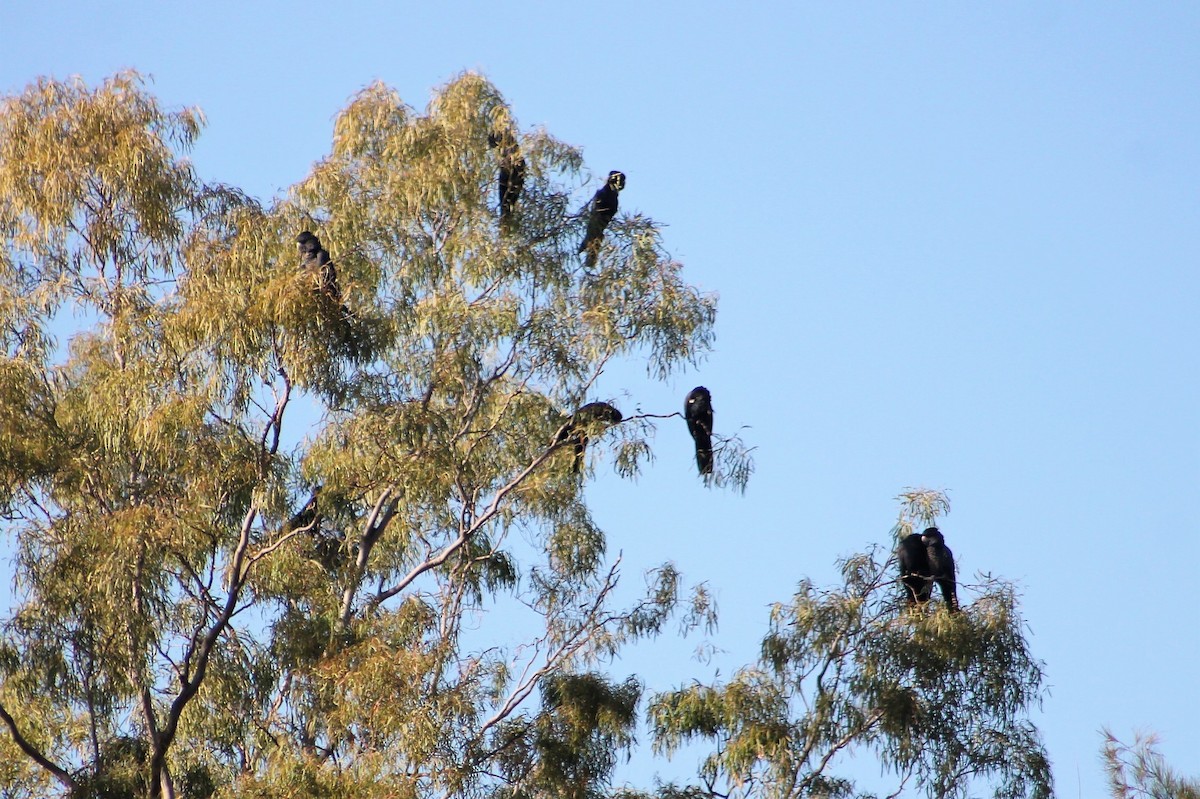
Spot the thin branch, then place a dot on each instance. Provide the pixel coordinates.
(267, 550)
(903, 782)
(489, 514)
(570, 645)
(838, 745)
(272, 716)
(275, 424)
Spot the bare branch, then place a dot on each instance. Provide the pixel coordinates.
(437, 560)
(25, 746)
(837, 746)
(570, 645)
(376, 522)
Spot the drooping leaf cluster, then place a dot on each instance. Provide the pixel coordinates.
(572, 745)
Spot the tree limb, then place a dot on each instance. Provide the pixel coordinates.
(191, 683)
(25, 746)
(457, 544)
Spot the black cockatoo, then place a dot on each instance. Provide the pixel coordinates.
(600, 211)
(314, 256)
(941, 566)
(914, 569)
(924, 560)
(698, 411)
(511, 173)
(591, 418)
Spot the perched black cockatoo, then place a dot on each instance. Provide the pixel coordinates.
(601, 210)
(698, 411)
(314, 256)
(307, 518)
(321, 543)
(914, 569)
(511, 173)
(941, 565)
(592, 417)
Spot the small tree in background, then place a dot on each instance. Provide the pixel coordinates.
(940, 700)
(1139, 770)
(258, 506)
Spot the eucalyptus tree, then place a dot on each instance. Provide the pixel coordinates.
(940, 700)
(256, 519)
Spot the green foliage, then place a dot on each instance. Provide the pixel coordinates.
(120, 771)
(255, 522)
(935, 696)
(919, 508)
(570, 747)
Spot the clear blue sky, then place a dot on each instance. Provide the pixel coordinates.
(956, 246)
